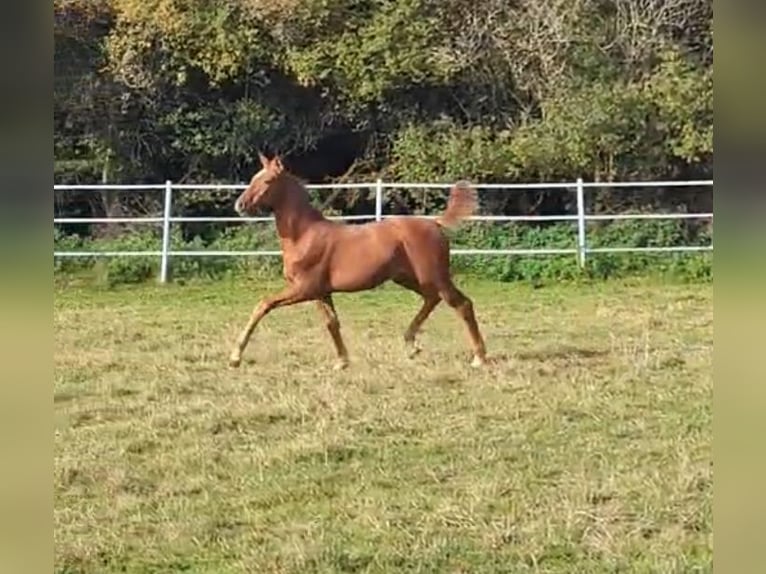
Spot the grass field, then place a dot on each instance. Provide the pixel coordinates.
(585, 447)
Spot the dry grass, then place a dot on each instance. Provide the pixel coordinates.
(586, 447)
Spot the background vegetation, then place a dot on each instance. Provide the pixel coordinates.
(490, 90)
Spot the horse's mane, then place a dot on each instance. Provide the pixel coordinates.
(296, 180)
(297, 189)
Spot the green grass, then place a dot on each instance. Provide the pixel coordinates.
(585, 447)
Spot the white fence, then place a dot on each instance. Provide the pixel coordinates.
(579, 188)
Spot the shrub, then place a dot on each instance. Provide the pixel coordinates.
(537, 269)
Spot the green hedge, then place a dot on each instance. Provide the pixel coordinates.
(537, 269)
(546, 268)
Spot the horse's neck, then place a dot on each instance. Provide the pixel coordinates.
(295, 215)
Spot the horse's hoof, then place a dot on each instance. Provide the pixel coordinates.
(340, 365)
(234, 362)
(412, 351)
(478, 362)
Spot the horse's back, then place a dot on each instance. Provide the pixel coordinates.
(420, 227)
(362, 256)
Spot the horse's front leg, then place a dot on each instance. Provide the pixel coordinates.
(327, 308)
(291, 295)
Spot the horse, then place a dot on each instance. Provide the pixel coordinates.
(322, 257)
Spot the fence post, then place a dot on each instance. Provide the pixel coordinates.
(379, 200)
(166, 214)
(581, 246)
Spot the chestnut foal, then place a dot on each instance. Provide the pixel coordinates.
(322, 256)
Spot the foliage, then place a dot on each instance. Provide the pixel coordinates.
(411, 90)
(536, 269)
(623, 130)
(190, 90)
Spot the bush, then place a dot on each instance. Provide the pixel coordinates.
(537, 269)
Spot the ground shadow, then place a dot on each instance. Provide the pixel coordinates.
(560, 352)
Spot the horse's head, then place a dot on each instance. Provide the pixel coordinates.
(262, 190)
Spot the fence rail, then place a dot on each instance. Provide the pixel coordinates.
(579, 188)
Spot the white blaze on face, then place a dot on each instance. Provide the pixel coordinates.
(238, 204)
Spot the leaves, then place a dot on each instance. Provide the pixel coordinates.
(421, 89)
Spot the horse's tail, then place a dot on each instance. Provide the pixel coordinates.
(462, 203)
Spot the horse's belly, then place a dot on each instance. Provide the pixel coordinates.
(364, 264)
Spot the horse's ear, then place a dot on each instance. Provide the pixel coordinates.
(277, 163)
(264, 159)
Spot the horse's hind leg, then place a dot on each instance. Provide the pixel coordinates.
(327, 308)
(430, 300)
(429, 304)
(464, 308)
